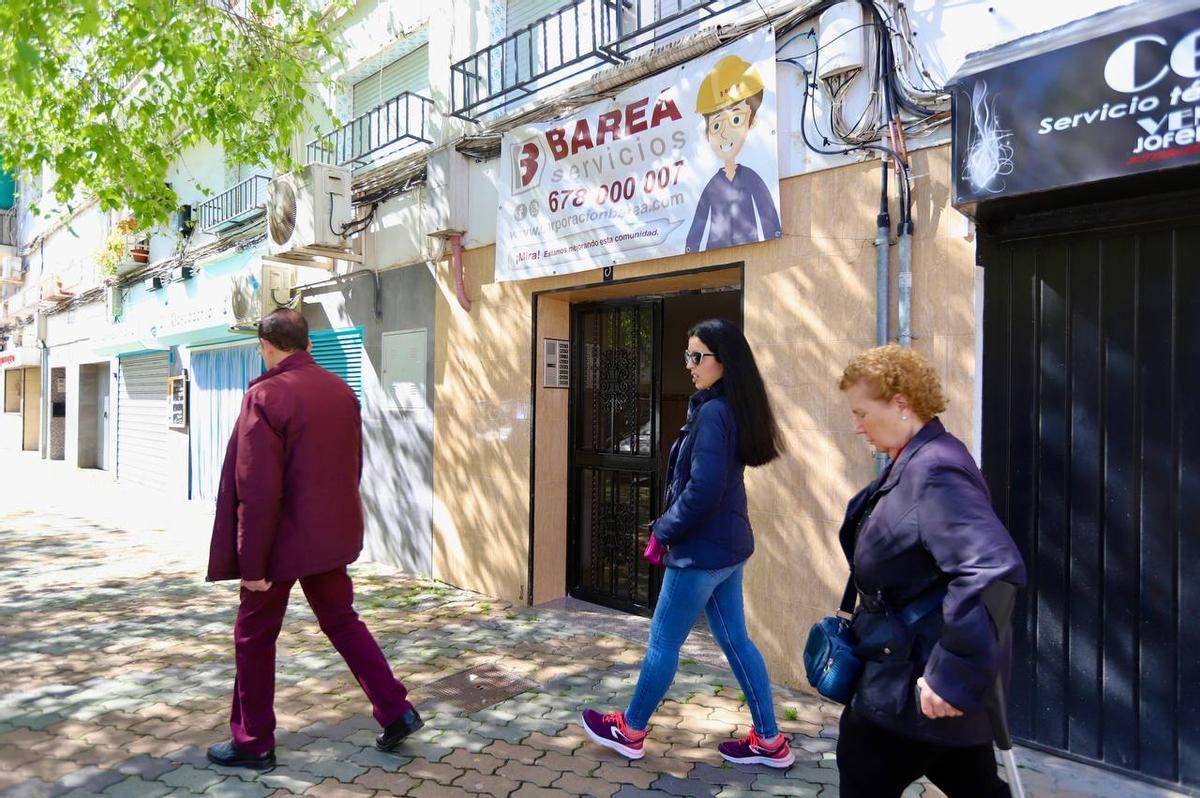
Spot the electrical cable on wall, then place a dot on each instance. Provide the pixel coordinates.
(891, 94)
(905, 187)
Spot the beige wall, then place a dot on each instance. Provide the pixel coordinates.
(551, 464)
(31, 409)
(809, 305)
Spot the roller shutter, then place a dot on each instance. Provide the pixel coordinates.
(521, 12)
(142, 420)
(410, 73)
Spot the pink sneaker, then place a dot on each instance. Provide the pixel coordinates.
(753, 751)
(612, 732)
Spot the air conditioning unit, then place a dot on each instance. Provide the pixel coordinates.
(114, 302)
(10, 270)
(258, 291)
(446, 174)
(306, 212)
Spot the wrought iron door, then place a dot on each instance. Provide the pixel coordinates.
(614, 452)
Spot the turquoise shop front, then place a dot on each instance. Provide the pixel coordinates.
(218, 363)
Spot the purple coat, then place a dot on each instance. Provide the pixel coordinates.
(932, 528)
(288, 504)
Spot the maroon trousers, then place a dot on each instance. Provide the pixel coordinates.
(259, 619)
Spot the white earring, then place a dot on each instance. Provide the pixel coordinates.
(904, 418)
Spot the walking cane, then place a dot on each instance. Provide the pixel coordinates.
(999, 598)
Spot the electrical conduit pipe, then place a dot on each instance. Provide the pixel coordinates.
(904, 306)
(456, 264)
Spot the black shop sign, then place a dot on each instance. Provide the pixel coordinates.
(1120, 104)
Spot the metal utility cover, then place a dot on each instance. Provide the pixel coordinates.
(475, 689)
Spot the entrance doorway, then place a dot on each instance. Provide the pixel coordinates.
(628, 400)
(58, 413)
(1090, 441)
(93, 415)
(31, 409)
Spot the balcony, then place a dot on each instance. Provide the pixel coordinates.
(400, 124)
(235, 207)
(567, 45)
(8, 228)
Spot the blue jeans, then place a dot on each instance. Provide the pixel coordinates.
(686, 591)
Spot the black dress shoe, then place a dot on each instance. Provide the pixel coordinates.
(397, 730)
(226, 755)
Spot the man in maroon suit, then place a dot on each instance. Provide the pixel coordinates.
(288, 509)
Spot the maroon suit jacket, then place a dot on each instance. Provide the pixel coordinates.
(288, 504)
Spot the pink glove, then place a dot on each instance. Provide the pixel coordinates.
(655, 552)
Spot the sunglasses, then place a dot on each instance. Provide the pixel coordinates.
(691, 358)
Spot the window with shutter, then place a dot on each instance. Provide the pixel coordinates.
(410, 73)
(522, 12)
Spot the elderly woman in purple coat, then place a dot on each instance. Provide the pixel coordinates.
(921, 535)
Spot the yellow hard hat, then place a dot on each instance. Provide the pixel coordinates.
(730, 81)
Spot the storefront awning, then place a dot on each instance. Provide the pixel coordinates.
(1106, 98)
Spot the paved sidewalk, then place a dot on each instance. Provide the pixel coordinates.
(117, 667)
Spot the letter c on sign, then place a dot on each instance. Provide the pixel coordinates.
(1120, 69)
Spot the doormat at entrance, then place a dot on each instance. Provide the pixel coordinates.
(477, 688)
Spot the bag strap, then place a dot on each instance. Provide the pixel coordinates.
(850, 594)
(849, 598)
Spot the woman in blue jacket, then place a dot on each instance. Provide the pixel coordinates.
(924, 546)
(705, 536)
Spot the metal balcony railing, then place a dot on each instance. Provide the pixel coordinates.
(648, 23)
(236, 206)
(399, 124)
(568, 44)
(8, 228)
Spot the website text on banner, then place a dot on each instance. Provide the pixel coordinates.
(684, 161)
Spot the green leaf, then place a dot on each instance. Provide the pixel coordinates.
(28, 54)
(109, 93)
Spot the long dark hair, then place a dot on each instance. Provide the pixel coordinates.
(759, 441)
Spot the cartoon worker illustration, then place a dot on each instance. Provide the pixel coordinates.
(736, 200)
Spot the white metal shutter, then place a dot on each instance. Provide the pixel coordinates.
(142, 411)
(521, 12)
(410, 73)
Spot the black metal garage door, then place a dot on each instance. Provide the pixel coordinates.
(1091, 445)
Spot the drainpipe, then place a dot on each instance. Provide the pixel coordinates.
(904, 316)
(456, 264)
(883, 299)
(45, 404)
(883, 228)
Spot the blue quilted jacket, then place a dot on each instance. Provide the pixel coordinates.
(706, 524)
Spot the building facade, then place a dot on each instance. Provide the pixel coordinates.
(511, 317)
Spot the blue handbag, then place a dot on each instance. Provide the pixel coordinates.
(829, 659)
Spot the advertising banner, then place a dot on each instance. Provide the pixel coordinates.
(682, 162)
(1120, 104)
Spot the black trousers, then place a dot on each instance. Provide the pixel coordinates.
(874, 762)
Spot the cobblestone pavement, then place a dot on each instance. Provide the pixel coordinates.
(117, 666)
